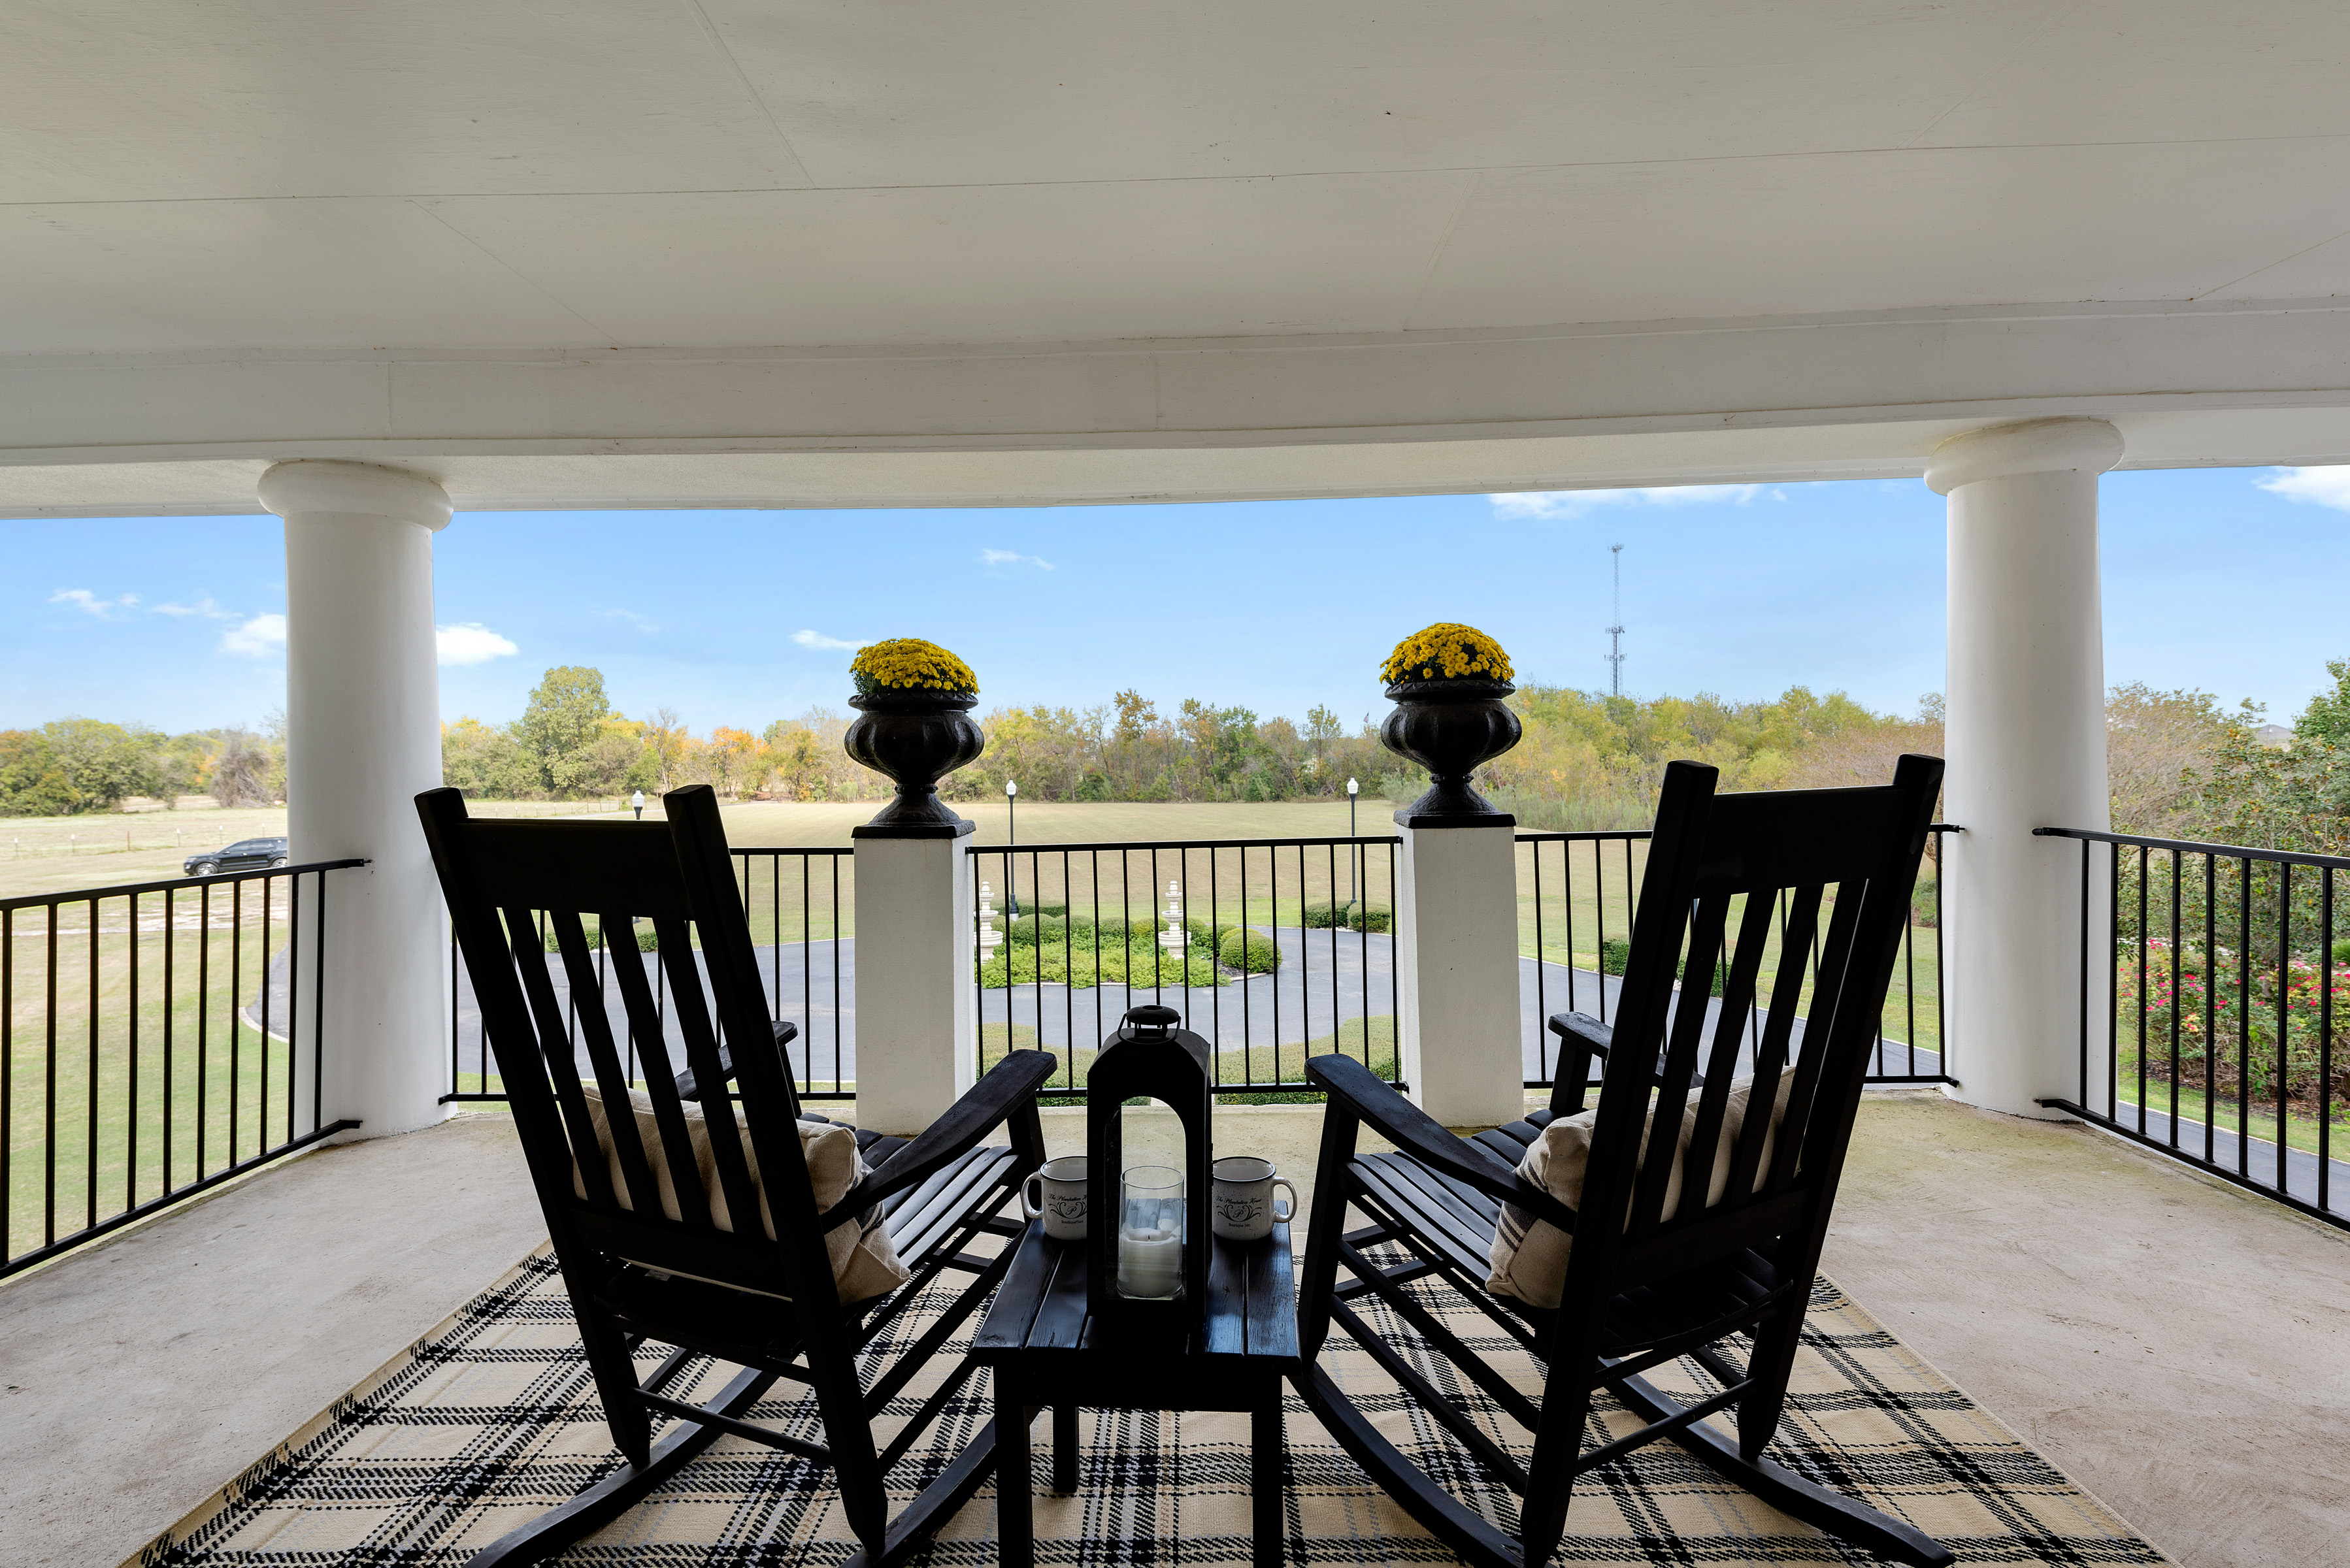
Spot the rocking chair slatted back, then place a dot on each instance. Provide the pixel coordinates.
(1727, 874)
(1791, 906)
(511, 877)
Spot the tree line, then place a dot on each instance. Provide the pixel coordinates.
(2181, 765)
(68, 766)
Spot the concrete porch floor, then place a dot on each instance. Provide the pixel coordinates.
(2178, 1347)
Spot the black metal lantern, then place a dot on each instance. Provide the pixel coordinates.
(1147, 1246)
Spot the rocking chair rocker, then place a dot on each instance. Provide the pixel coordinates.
(1673, 1276)
(639, 1191)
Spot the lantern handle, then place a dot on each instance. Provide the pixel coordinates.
(1149, 1019)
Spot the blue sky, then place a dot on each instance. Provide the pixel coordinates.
(2232, 580)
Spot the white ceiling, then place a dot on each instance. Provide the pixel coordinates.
(345, 182)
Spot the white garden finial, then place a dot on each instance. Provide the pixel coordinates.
(1174, 939)
(989, 937)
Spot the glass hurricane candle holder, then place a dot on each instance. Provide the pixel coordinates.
(1150, 1233)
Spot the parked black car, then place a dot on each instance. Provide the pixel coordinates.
(244, 855)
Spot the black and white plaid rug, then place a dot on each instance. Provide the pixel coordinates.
(490, 1419)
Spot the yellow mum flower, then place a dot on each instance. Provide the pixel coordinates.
(909, 664)
(1446, 651)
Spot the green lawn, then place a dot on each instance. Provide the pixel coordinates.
(2302, 1130)
(209, 1089)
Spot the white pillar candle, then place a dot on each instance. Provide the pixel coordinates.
(1149, 1263)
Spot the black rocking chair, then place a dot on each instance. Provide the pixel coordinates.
(634, 1275)
(1668, 1279)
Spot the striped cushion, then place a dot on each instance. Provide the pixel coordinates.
(1529, 1257)
(864, 1262)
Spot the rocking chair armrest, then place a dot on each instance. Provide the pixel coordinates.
(1424, 1139)
(1582, 1028)
(691, 1089)
(1008, 1087)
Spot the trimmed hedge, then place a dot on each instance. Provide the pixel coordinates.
(1615, 951)
(1250, 952)
(648, 938)
(1348, 916)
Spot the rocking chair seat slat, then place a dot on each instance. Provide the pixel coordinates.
(1429, 1211)
(922, 1223)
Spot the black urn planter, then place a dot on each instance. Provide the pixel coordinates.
(1451, 728)
(915, 738)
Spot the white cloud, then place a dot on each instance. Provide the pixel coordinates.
(1013, 558)
(204, 607)
(1576, 502)
(806, 639)
(257, 638)
(641, 623)
(90, 604)
(470, 642)
(2325, 486)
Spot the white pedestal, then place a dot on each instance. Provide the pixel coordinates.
(917, 1043)
(1457, 971)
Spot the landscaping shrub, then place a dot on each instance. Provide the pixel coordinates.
(648, 940)
(1043, 931)
(1921, 903)
(2213, 986)
(1613, 954)
(1346, 916)
(1112, 953)
(1251, 953)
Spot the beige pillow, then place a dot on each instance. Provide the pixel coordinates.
(1529, 1257)
(864, 1262)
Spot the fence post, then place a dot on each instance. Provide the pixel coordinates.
(917, 1045)
(1456, 966)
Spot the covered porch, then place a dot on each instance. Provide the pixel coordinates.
(378, 270)
(2167, 1341)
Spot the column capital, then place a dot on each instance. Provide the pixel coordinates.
(362, 488)
(2034, 446)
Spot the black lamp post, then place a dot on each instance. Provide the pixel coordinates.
(638, 800)
(1012, 831)
(1353, 789)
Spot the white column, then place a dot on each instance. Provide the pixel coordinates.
(917, 1046)
(2026, 740)
(363, 721)
(1456, 945)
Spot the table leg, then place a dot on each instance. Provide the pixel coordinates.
(1015, 1529)
(1065, 1448)
(1266, 1464)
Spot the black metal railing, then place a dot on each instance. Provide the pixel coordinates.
(1577, 893)
(801, 906)
(2211, 982)
(1274, 948)
(156, 1039)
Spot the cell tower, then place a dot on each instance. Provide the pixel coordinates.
(1616, 632)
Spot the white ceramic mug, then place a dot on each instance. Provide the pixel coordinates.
(1244, 1198)
(1057, 1191)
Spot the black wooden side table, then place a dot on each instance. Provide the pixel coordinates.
(1043, 1350)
